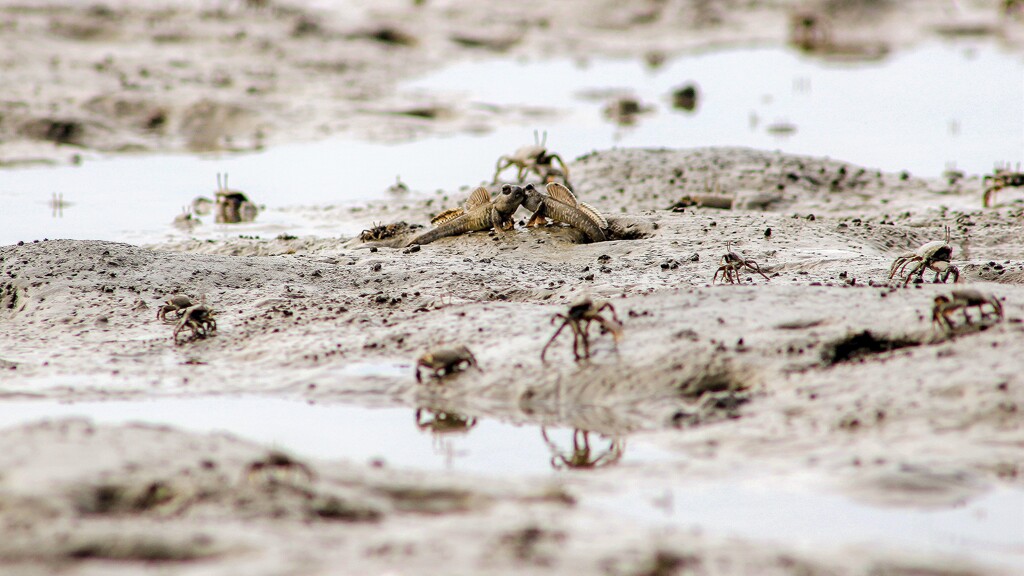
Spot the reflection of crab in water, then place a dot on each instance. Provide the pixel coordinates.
(581, 456)
(379, 232)
(534, 159)
(732, 263)
(444, 361)
(277, 468)
(581, 314)
(1002, 178)
(934, 256)
(443, 421)
(963, 299)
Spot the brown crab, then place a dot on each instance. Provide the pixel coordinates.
(579, 317)
(962, 300)
(536, 159)
(445, 361)
(933, 256)
(581, 456)
(175, 305)
(233, 206)
(198, 319)
(379, 232)
(1002, 178)
(732, 263)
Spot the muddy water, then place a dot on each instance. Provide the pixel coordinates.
(938, 106)
(398, 437)
(788, 509)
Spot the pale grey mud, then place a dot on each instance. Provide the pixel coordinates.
(817, 421)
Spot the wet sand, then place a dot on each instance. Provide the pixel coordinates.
(826, 370)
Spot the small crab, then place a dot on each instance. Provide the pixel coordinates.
(534, 159)
(233, 206)
(732, 263)
(581, 314)
(581, 456)
(444, 361)
(933, 256)
(379, 232)
(1002, 178)
(175, 305)
(277, 467)
(198, 319)
(962, 300)
(443, 421)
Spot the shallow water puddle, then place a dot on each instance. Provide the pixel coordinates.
(400, 437)
(988, 528)
(954, 103)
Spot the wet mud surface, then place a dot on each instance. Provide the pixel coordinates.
(825, 370)
(825, 367)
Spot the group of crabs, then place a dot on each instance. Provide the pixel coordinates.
(537, 159)
(935, 256)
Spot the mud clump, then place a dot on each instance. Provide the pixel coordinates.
(861, 345)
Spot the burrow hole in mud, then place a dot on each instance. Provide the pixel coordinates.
(863, 344)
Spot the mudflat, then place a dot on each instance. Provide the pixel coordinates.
(828, 375)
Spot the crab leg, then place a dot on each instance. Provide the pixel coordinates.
(565, 323)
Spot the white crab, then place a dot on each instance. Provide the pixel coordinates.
(934, 256)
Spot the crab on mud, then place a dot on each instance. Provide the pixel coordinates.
(443, 421)
(1002, 178)
(379, 232)
(582, 456)
(176, 305)
(536, 159)
(579, 317)
(198, 319)
(233, 206)
(445, 361)
(961, 300)
(277, 466)
(731, 264)
(933, 256)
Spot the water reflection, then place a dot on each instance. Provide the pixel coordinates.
(441, 424)
(582, 456)
(443, 421)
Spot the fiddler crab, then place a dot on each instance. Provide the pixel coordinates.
(731, 264)
(175, 305)
(1002, 178)
(197, 318)
(277, 467)
(581, 456)
(231, 206)
(536, 159)
(961, 300)
(445, 361)
(579, 317)
(934, 256)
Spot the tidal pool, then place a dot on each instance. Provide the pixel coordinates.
(799, 511)
(938, 106)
